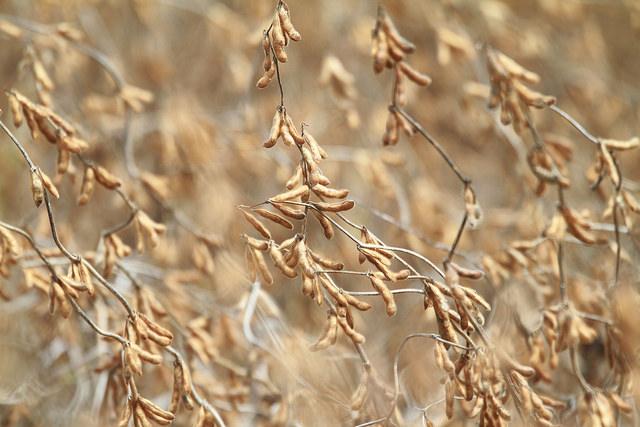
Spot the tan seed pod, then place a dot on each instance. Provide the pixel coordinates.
(360, 395)
(46, 127)
(355, 337)
(154, 412)
(261, 245)
(331, 193)
(278, 37)
(106, 178)
(358, 304)
(274, 217)
(318, 178)
(279, 262)
(70, 286)
(612, 167)
(631, 201)
(468, 272)
(295, 180)
(312, 165)
(301, 191)
(336, 206)
(133, 360)
(37, 188)
(63, 162)
(575, 226)
(41, 75)
(326, 225)
(48, 184)
(88, 184)
(333, 291)
(329, 335)
(396, 54)
(325, 262)
(121, 249)
(307, 284)
(262, 83)
(31, 122)
(414, 75)
(157, 185)
(614, 144)
(303, 257)
(266, 47)
(621, 404)
(72, 144)
(291, 128)
(289, 211)
(516, 70)
(392, 31)
(318, 152)
(251, 263)
(263, 269)
(257, 224)
(157, 333)
(477, 298)
(379, 285)
(449, 394)
(285, 20)
(140, 418)
(274, 134)
(125, 416)
(147, 356)
(61, 300)
(151, 229)
(176, 391)
(474, 212)
(379, 51)
(391, 135)
(16, 110)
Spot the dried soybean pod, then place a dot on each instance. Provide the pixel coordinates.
(345, 205)
(612, 167)
(266, 46)
(16, 110)
(325, 262)
(387, 296)
(289, 211)
(285, 20)
(329, 335)
(263, 269)
(126, 414)
(326, 225)
(277, 35)
(263, 82)
(414, 75)
(291, 194)
(106, 178)
(299, 139)
(474, 212)
(261, 245)
(274, 217)
(295, 179)
(279, 262)
(274, 134)
(37, 189)
(614, 144)
(257, 224)
(48, 184)
(88, 184)
(331, 193)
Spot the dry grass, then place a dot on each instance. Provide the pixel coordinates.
(424, 214)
